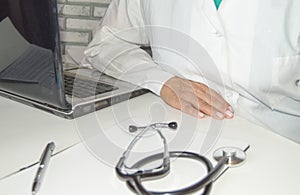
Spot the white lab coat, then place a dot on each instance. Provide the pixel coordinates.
(249, 51)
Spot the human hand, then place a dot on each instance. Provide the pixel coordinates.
(195, 99)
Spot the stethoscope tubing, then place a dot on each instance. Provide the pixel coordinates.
(134, 177)
(135, 183)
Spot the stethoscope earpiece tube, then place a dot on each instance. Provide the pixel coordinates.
(171, 125)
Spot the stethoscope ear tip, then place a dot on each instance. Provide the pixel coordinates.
(132, 128)
(173, 125)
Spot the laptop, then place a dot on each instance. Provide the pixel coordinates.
(31, 68)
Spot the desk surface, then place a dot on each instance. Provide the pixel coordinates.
(272, 166)
(25, 131)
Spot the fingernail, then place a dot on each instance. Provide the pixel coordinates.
(219, 115)
(200, 115)
(229, 113)
(230, 109)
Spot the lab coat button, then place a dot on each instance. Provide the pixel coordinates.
(297, 83)
(217, 33)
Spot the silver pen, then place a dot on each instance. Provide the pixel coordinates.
(44, 161)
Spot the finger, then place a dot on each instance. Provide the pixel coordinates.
(199, 104)
(214, 99)
(210, 96)
(188, 108)
(210, 110)
(219, 103)
(172, 98)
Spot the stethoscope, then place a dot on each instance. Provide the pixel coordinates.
(226, 156)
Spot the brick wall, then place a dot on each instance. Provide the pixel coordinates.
(78, 19)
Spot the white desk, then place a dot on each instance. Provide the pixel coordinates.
(24, 133)
(272, 166)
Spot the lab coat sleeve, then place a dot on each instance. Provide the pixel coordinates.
(115, 48)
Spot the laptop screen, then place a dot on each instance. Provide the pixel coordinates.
(30, 58)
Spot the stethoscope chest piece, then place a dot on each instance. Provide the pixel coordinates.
(235, 156)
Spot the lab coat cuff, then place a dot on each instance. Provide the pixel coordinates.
(157, 79)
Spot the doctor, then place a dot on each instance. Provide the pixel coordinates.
(208, 57)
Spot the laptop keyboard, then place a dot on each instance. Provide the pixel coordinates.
(85, 88)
